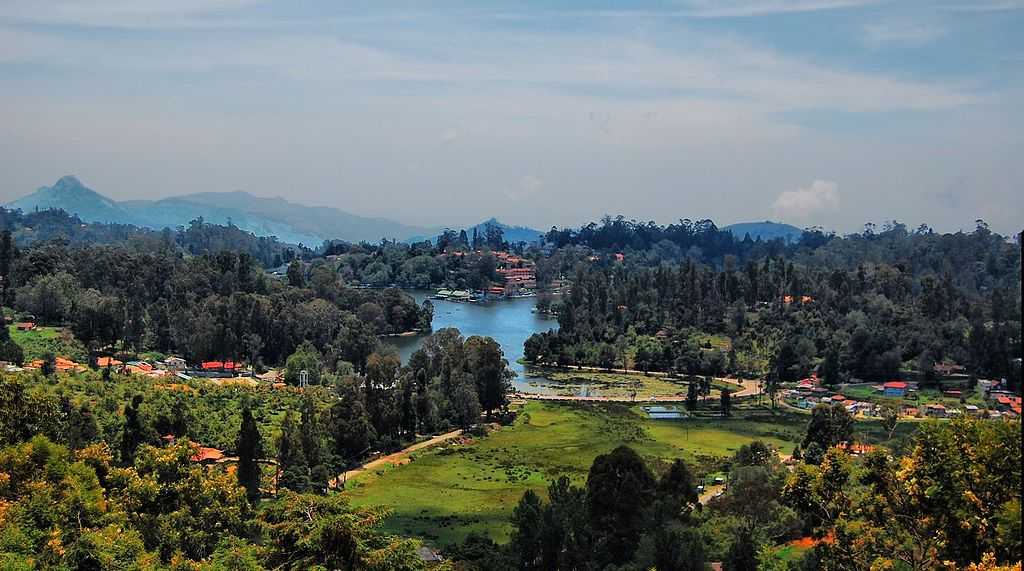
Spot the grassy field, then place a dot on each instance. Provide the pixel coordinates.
(41, 340)
(447, 492)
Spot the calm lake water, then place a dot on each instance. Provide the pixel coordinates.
(510, 322)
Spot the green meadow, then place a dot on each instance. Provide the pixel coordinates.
(449, 491)
(42, 340)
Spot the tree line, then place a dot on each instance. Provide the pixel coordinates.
(866, 306)
(214, 306)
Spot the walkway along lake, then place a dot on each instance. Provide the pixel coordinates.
(510, 322)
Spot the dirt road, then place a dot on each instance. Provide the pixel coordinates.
(397, 458)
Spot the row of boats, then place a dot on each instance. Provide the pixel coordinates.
(467, 296)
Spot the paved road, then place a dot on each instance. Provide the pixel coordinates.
(397, 458)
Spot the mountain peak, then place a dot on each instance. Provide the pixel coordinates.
(68, 182)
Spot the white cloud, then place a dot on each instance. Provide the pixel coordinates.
(803, 204)
(901, 33)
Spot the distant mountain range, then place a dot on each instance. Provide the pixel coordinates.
(289, 222)
(765, 230)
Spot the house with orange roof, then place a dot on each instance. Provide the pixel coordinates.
(103, 362)
(207, 455)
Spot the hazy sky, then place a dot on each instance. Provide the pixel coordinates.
(831, 112)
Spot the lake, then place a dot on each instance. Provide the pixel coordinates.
(509, 322)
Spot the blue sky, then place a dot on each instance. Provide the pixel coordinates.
(830, 112)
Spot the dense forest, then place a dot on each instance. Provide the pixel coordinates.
(198, 237)
(866, 306)
(222, 305)
(124, 487)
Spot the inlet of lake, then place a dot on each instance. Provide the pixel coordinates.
(508, 321)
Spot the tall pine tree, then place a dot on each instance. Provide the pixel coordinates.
(250, 447)
(293, 471)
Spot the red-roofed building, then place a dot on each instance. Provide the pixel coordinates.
(1008, 403)
(838, 398)
(895, 388)
(207, 455)
(107, 362)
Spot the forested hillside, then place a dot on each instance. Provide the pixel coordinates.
(209, 306)
(864, 306)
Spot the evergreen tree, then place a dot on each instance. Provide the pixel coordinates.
(49, 366)
(528, 532)
(135, 431)
(82, 427)
(726, 402)
(830, 372)
(312, 444)
(350, 427)
(7, 254)
(250, 448)
(296, 277)
(291, 460)
(692, 391)
(620, 488)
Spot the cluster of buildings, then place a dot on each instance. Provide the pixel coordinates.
(518, 276)
(809, 393)
(1000, 404)
(173, 367)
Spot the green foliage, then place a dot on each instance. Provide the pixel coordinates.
(65, 510)
(305, 358)
(308, 531)
(829, 426)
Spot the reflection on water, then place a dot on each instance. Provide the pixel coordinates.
(510, 322)
(664, 412)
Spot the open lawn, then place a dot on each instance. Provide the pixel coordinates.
(449, 491)
(56, 340)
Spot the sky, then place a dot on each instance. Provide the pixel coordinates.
(812, 112)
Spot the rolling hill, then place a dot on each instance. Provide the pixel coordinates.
(289, 222)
